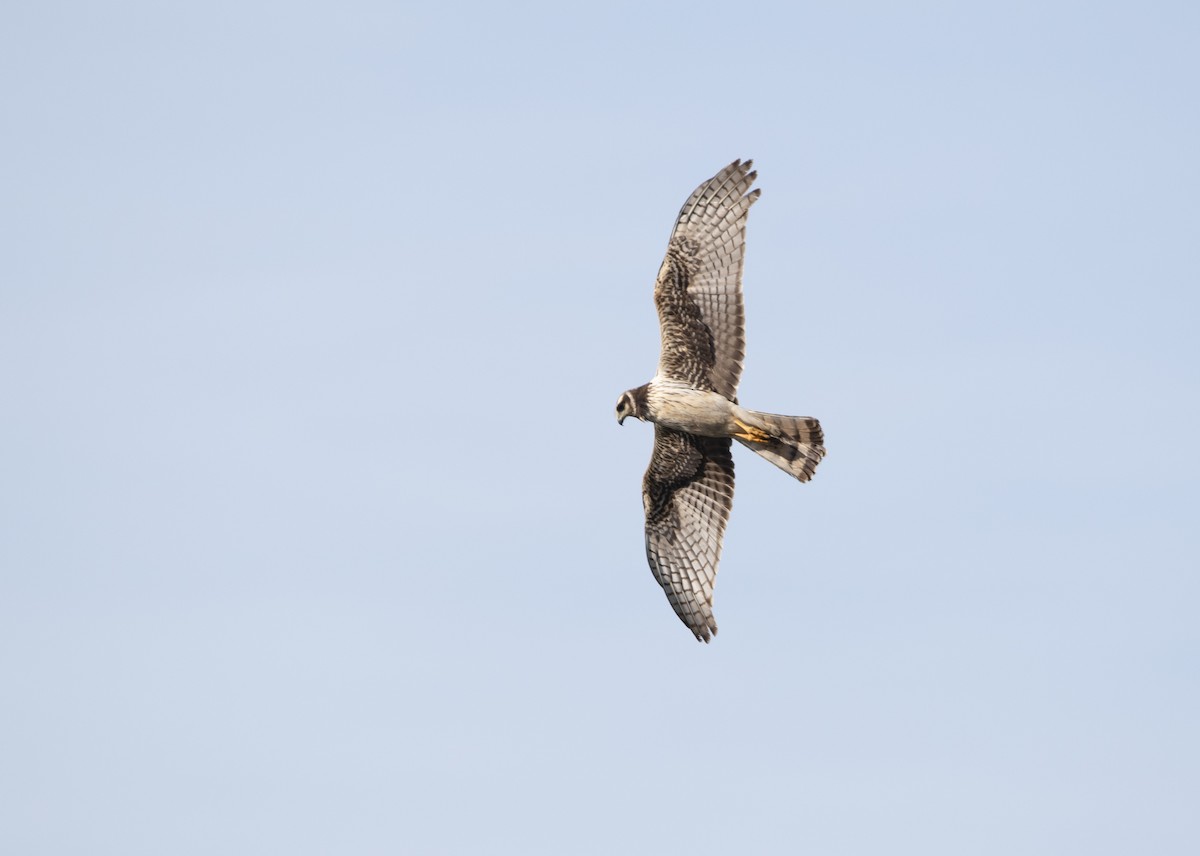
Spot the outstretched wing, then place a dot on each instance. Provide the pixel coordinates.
(688, 491)
(699, 287)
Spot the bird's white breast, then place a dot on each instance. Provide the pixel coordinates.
(696, 411)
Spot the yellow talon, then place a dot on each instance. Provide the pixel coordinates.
(750, 433)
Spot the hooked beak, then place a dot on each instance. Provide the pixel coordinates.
(621, 420)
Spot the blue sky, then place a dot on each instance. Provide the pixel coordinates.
(320, 536)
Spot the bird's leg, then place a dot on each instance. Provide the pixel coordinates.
(749, 433)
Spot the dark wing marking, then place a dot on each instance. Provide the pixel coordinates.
(687, 492)
(699, 288)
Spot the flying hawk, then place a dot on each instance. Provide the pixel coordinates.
(692, 399)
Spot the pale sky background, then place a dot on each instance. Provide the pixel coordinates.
(319, 535)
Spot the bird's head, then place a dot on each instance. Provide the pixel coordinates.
(628, 405)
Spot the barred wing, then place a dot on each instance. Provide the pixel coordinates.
(687, 491)
(699, 288)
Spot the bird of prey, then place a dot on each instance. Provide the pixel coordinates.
(692, 399)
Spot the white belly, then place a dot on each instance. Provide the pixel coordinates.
(695, 411)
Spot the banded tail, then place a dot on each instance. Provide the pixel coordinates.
(792, 443)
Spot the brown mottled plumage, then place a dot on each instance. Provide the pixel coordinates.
(688, 487)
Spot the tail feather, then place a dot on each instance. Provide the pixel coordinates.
(795, 444)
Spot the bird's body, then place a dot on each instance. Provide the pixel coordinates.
(698, 411)
(692, 399)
